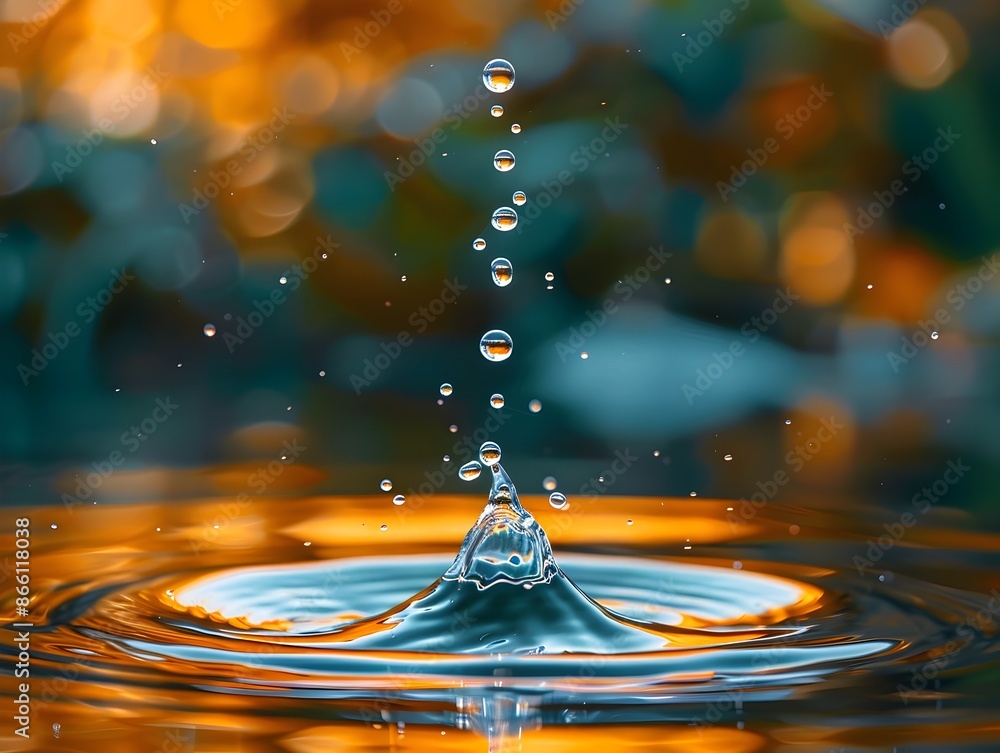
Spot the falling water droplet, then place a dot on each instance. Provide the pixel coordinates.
(496, 400)
(282, 280)
(502, 272)
(403, 278)
(446, 389)
(504, 160)
(56, 728)
(489, 453)
(498, 75)
(453, 428)
(788, 422)
(549, 276)
(496, 345)
(515, 128)
(383, 527)
(535, 405)
(519, 198)
(479, 244)
(934, 335)
(549, 483)
(585, 355)
(666, 280)
(496, 111)
(386, 485)
(504, 219)
(209, 330)
(398, 500)
(728, 457)
(557, 500)
(470, 471)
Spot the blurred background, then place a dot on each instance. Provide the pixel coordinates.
(770, 226)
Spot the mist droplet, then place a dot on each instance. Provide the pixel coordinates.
(504, 219)
(557, 500)
(446, 389)
(502, 272)
(549, 483)
(535, 405)
(479, 244)
(504, 160)
(496, 111)
(498, 75)
(549, 276)
(496, 400)
(470, 471)
(519, 198)
(515, 128)
(209, 330)
(386, 485)
(398, 500)
(496, 345)
(489, 453)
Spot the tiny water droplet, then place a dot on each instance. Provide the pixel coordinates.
(322, 373)
(504, 219)
(453, 428)
(56, 727)
(585, 355)
(549, 276)
(515, 128)
(403, 278)
(535, 405)
(788, 422)
(470, 471)
(934, 335)
(282, 280)
(446, 458)
(557, 500)
(666, 280)
(498, 75)
(504, 160)
(53, 526)
(728, 457)
(383, 527)
(496, 345)
(398, 500)
(496, 111)
(519, 198)
(446, 389)
(496, 400)
(870, 286)
(549, 483)
(479, 244)
(386, 485)
(209, 330)
(628, 522)
(940, 206)
(489, 453)
(503, 272)
(656, 453)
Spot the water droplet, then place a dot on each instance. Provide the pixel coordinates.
(496, 111)
(519, 198)
(666, 280)
(549, 276)
(585, 355)
(209, 330)
(489, 453)
(515, 128)
(788, 422)
(282, 280)
(446, 389)
(322, 373)
(403, 278)
(728, 457)
(153, 142)
(453, 429)
(794, 529)
(535, 405)
(504, 160)
(56, 727)
(496, 345)
(498, 75)
(53, 526)
(383, 527)
(446, 458)
(479, 244)
(557, 500)
(934, 335)
(386, 485)
(549, 483)
(398, 500)
(470, 471)
(504, 219)
(496, 400)
(940, 206)
(628, 522)
(656, 453)
(502, 271)
(870, 286)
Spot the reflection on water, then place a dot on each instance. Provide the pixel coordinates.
(304, 626)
